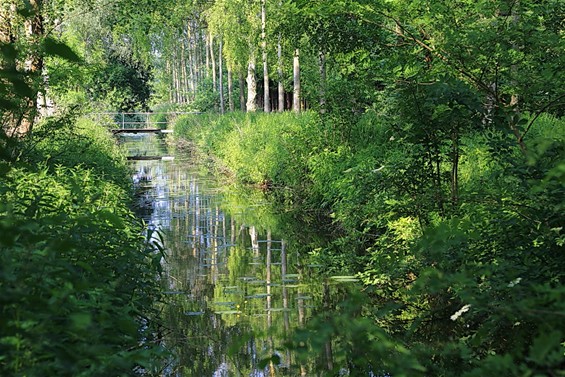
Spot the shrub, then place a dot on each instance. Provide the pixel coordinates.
(77, 279)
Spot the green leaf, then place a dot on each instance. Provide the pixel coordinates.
(22, 89)
(81, 320)
(275, 359)
(8, 51)
(543, 345)
(55, 48)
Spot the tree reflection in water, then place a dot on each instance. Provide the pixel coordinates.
(236, 289)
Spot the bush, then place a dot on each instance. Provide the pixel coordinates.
(77, 279)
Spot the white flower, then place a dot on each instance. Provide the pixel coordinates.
(460, 311)
(514, 282)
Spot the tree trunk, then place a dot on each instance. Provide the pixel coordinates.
(195, 57)
(251, 84)
(170, 74)
(34, 66)
(322, 81)
(190, 62)
(183, 74)
(213, 58)
(221, 78)
(207, 48)
(266, 94)
(514, 100)
(241, 91)
(454, 167)
(175, 77)
(296, 79)
(281, 77)
(191, 84)
(230, 89)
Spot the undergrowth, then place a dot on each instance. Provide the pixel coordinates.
(455, 232)
(77, 278)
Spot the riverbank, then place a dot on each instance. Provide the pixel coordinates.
(455, 237)
(77, 277)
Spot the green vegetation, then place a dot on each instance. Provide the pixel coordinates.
(436, 159)
(426, 137)
(464, 282)
(77, 276)
(78, 279)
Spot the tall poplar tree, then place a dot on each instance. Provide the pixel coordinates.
(266, 95)
(296, 105)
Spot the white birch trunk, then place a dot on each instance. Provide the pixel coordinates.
(230, 89)
(207, 48)
(322, 82)
(191, 78)
(183, 74)
(191, 81)
(221, 77)
(174, 78)
(296, 79)
(266, 94)
(213, 59)
(280, 74)
(251, 84)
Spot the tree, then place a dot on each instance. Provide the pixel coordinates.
(251, 105)
(296, 105)
(266, 95)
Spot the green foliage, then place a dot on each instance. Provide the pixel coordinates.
(122, 84)
(206, 99)
(466, 286)
(357, 341)
(257, 148)
(437, 166)
(77, 278)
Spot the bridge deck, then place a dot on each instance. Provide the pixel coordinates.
(136, 130)
(150, 158)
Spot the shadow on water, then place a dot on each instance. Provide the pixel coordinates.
(237, 289)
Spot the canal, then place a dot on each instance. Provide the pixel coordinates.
(238, 286)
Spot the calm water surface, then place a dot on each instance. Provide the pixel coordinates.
(237, 288)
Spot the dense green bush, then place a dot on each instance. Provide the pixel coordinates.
(77, 278)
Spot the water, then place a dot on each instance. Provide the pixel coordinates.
(237, 287)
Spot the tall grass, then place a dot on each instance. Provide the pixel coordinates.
(258, 148)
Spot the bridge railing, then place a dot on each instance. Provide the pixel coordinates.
(139, 120)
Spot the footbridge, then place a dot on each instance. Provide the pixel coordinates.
(139, 122)
(122, 123)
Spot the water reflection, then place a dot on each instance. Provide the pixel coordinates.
(236, 289)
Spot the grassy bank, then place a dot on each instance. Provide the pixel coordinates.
(254, 147)
(77, 279)
(455, 231)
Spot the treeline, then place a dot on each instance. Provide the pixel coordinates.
(327, 55)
